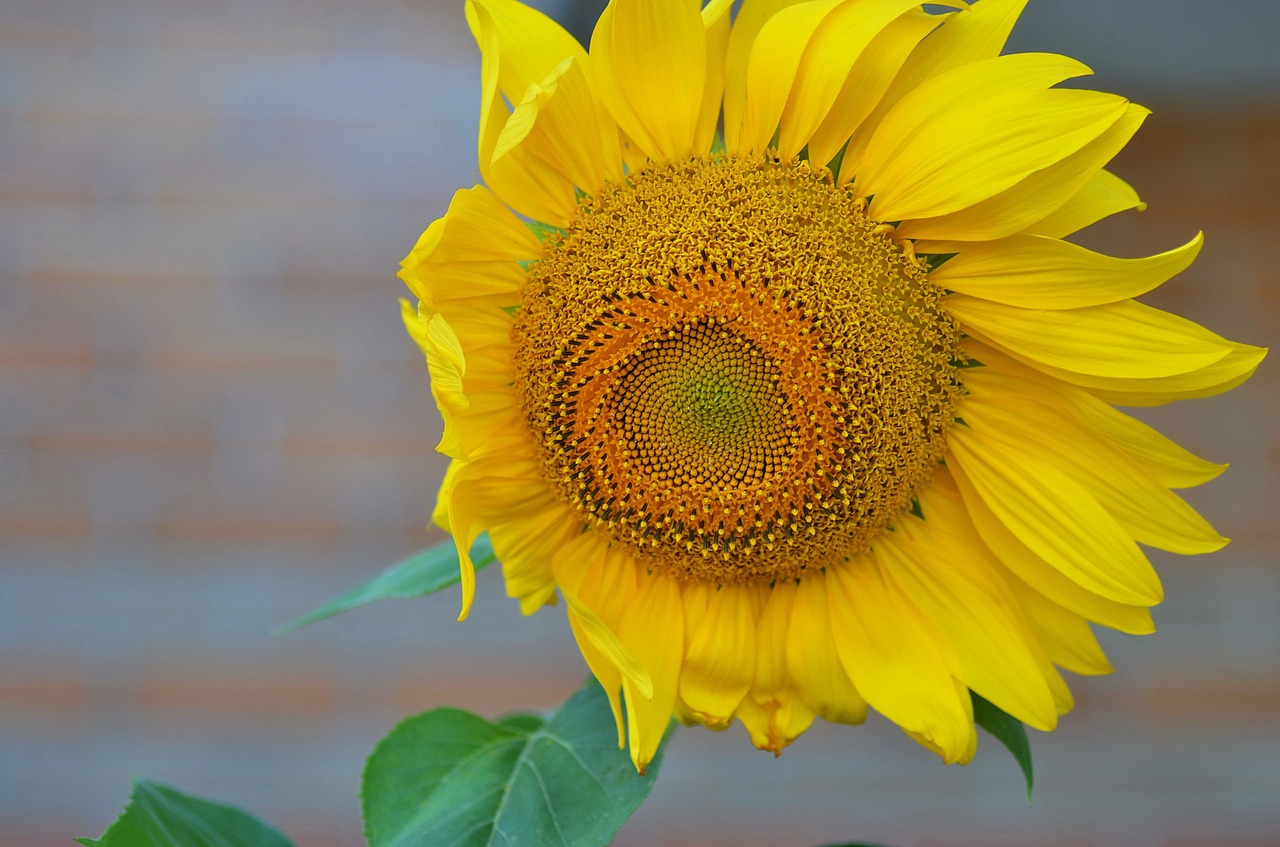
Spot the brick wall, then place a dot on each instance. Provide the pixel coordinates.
(210, 420)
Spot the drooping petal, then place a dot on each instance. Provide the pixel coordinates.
(812, 661)
(581, 572)
(481, 494)
(1036, 272)
(773, 711)
(555, 126)
(652, 628)
(895, 657)
(962, 593)
(447, 364)
(527, 547)
(720, 651)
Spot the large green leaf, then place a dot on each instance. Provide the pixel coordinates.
(423, 573)
(448, 777)
(159, 816)
(1009, 731)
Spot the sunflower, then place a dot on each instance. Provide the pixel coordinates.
(762, 347)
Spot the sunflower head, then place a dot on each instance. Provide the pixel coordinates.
(766, 349)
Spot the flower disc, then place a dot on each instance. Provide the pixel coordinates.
(729, 366)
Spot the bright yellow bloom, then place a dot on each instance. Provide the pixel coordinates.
(817, 417)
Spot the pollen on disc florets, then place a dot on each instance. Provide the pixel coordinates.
(726, 364)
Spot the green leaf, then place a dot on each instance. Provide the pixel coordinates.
(1009, 731)
(451, 777)
(160, 816)
(423, 573)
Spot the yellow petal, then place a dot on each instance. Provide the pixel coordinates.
(965, 752)
(773, 711)
(484, 493)
(807, 62)
(1034, 197)
(1105, 194)
(472, 251)
(527, 547)
(1126, 339)
(895, 657)
(440, 514)
(973, 132)
(776, 604)
(447, 365)
(1222, 375)
(580, 565)
(750, 20)
(1056, 518)
(555, 126)
(774, 722)
(970, 35)
(650, 69)
(1021, 563)
(519, 48)
(1002, 410)
(945, 524)
(771, 69)
(716, 22)
(1161, 458)
(977, 612)
(1036, 272)
(812, 662)
(1066, 636)
(866, 84)
(720, 651)
(653, 628)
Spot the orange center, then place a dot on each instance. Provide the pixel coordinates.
(725, 364)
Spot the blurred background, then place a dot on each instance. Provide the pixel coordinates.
(211, 420)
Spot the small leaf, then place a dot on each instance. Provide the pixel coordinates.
(423, 573)
(1009, 731)
(160, 816)
(451, 777)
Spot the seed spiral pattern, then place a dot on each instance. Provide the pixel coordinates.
(728, 366)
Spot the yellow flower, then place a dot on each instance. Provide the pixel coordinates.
(818, 415)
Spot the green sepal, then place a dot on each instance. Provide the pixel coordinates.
(450, 777)
(423, 573)
(160, 816)
(1009, 731)
(545, 231)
